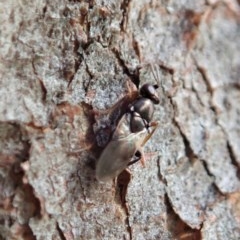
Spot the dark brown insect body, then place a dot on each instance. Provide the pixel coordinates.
(132, 132)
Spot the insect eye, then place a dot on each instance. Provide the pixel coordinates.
(149, 91)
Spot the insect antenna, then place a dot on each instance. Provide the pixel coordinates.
(156, 74)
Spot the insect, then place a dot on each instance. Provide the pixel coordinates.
(133, 130)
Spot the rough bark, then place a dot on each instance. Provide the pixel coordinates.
(64, 64)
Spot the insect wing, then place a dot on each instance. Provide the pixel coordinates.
(119, 151)
(117, 154)
(123, 129)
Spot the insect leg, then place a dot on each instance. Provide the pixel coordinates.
(138, 156)
(154, 125)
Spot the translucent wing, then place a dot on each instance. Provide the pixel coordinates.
(116, 156)
(119, 151)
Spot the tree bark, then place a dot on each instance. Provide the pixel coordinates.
(65, 64)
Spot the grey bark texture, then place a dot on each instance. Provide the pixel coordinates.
(65, 64)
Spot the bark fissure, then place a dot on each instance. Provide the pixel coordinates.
(60, 232)
(233, 159)
(203, 73)
(133, 76)
(122, 184)
(87, 85)
(124, 7)
(129, 228)
(160, 176)
(178, 228)
(82, 188)
(217, 189)
(228, 145)
(188, 149)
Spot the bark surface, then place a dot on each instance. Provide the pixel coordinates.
(65, 64)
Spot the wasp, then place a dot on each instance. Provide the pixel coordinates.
(133, 130)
